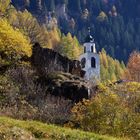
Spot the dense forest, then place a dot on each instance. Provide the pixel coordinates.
(19, 30)
(115, 24)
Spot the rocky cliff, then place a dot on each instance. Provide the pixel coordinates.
(65, 85)
(59, 74)
(47, 60)
(44, 89)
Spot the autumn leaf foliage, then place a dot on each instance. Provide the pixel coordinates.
(134, 66)
(13, 44)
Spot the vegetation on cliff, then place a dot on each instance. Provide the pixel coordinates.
(114, 110)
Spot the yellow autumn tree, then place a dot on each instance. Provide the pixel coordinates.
(134, 66)
(112, 69)
(104, 58)
(77, 48)
(13, 44)
(29, 26)
(70, 46)
(3, 5)
(54, 37)
(114, 110)
(102, 16)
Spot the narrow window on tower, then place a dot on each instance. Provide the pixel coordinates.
(91, 48)
(83, 62)
(84, 49)
(93, 62)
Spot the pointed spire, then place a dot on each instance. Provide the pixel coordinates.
(89, 30)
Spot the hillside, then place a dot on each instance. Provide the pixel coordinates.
(42, 79)
(115, 24)
(23, 130)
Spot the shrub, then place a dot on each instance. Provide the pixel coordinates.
(23, 98)
(114, 110)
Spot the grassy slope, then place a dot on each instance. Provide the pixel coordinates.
(48, 132)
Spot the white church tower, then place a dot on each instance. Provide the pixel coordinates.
(90, 60)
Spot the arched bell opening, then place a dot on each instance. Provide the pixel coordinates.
(83, 62)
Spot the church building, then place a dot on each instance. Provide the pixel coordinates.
(90, 60)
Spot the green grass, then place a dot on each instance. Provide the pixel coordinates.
(44, 131)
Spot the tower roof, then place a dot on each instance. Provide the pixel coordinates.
(89, 37)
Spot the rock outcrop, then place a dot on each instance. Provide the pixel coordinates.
(65, 85)
(45, 90)
(47, 60)
(59, 75)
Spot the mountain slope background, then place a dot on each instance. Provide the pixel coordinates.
(115, 24)
(25, 88)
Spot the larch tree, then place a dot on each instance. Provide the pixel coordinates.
(29, 26)
(54, 37)
(4, 5)
(112, 69)
(102, 16)
(13, 44)
(69, 46)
